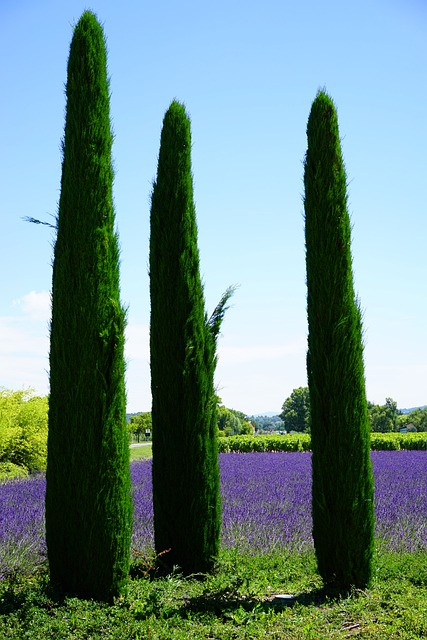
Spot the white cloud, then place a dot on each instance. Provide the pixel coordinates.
(19, 335)
(35, 304)
(405, 383)
(24, 348)
(260, 352)
(25, 371)
(256, 378)
(137, 353)
(24, 343)
(253, 377)
(137, 345)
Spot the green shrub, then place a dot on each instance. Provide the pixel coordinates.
(395, 441)
(302, 442)
(247, 444)
(385, 441)
(412, 440)
(8, 471)
(23, 430)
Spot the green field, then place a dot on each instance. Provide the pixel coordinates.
(136, 453)
(241, 600)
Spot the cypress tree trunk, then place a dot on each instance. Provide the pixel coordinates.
(88, 498)
(342, 507)
(186, 489)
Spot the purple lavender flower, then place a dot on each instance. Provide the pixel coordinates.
(143, 528)
(401, 499)
(266, 506)
(22, 532)
(266, 501)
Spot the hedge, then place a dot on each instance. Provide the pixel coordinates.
(302, 442)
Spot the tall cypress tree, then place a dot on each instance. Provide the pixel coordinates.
(186, 490)
(342, 507)
(88, 498)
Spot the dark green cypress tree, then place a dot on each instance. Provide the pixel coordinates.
(88, 498)
(186, 489)
(343, 492)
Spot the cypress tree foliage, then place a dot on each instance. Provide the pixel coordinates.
(342, 507)
(88, 499)
(186, 489)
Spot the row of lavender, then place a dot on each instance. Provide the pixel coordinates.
(266, 506)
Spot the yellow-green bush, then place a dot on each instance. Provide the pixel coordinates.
(9, 471)
(23, 432)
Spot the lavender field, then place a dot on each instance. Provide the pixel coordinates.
(266, 506)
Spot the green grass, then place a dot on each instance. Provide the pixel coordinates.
(137, 453)
(238, 601)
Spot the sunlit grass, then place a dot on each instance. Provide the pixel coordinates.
(144, 451)
(277, 596)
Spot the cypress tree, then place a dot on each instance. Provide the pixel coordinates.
(88, 498)
(342, 503)
(186, 488)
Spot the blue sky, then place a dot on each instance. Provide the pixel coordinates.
(248, 74)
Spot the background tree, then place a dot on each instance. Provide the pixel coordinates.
(296, 411)
(417, 417)
(267, 423)
(139, 424)
(228, 423)
(384, 418)
(343, 491)
(186, 490)
(88, 499)
(232, 422)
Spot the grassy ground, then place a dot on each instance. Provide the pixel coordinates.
(136, 453)
(241, 600)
